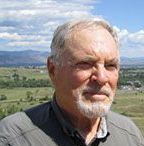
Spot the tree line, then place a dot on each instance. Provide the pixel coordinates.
(127, 77)
(16, 81)
(131, 77)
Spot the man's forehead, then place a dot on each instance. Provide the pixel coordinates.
(91, 53)
(78, 56)
(95, 58)
(91, 46)
(96, 39)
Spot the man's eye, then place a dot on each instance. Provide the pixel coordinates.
(83, 65)
(111, 66)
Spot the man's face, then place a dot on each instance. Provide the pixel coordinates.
(86, 80)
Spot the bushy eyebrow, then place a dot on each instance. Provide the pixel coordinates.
(113, 60)
(94, 59)
(89, 59)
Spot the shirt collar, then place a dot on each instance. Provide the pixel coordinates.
(65, 124)
(102, 131)
(70, 130)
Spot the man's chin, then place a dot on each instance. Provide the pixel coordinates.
(93, 110)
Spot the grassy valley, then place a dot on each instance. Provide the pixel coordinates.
(129, 98)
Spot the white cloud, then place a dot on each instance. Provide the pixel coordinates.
(131, 43)
(16, 37)
(6, 35)
(5, 28)
(30, 9)
(28, 43)
(32, 22)
(137, 37)
(121, 33)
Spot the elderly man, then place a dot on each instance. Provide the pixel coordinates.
(83, 67)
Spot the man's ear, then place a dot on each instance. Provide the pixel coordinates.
(51, 68)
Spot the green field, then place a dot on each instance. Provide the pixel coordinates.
(129, 103)
(30, 73)
(21, 93)
(126, 102)
(18, 100)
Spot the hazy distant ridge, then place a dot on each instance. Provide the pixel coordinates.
(22, 58)
(139, 61)
(35, 58)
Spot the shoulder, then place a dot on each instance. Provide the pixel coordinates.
(124, 125)
(15, 120)
(23, 119)
(21, 123)
(119, 120)
(14, 126)
(40, 114)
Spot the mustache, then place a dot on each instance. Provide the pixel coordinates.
(97, 90)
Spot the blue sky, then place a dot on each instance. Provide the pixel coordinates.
(125, 14)
(29, 24)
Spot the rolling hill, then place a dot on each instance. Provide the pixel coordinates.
(23, 58)
(38, 58)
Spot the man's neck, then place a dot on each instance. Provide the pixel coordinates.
(86, 127)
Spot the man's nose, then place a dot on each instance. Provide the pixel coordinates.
(99, 75)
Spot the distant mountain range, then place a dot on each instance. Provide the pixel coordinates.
(37, 58)
(132, 62)
(23, 58)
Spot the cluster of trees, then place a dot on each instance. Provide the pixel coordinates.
(131, 77)
(30, 96)
(16, 81)
(128, 77)
(9, 109)
(3, 97)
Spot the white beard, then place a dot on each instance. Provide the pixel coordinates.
(93, 109)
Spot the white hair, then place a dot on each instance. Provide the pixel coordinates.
(63, 32)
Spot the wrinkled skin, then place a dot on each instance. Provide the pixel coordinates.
(86, 80)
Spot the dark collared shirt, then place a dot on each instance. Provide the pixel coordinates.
(39, 126)
(71, 131)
